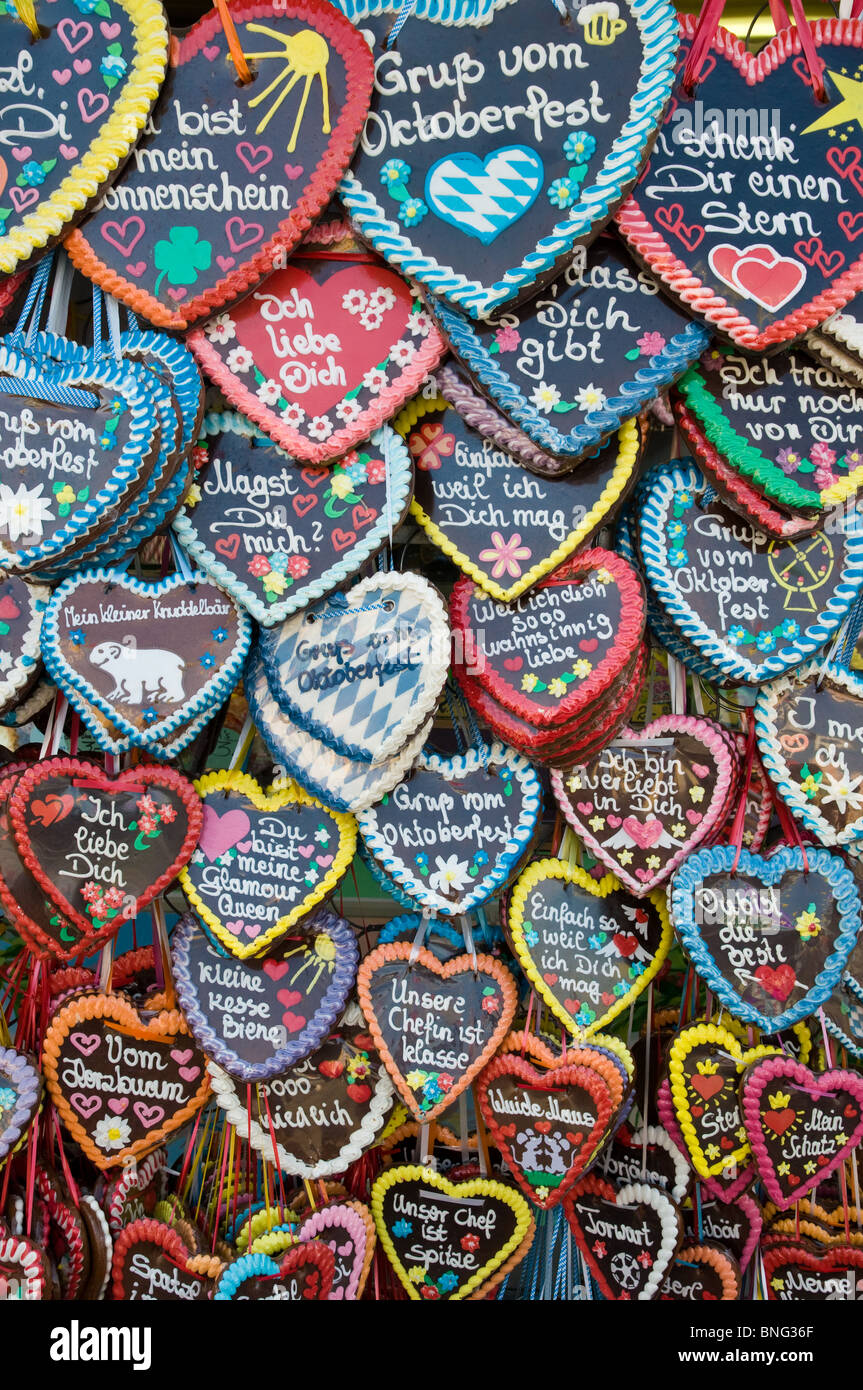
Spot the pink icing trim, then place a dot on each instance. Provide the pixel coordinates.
(321, 1223)
(755, 1081)
(712, 817)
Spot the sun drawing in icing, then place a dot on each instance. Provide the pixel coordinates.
(305, 56)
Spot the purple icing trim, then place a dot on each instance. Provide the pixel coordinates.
(476, 412)
(25, 1078)
(316, 1030)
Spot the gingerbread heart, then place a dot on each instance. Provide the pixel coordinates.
(702, 1273)
(644, 802)
(802, 463)
(736, 1226)
(449, 1240)
(151, 657)
(99, 847)
(548, 1125)
(348, 1230)
(110, 77)
(321, 1114)
(133, 1194)
(151, 1261)
(477, 211)
(588, 948)
(363, 669)
(807, 726)
(650, 1157)
(79, 441)
(475, 814)
(435, 1024)
(305, 1272)
(769, 936)
(257, 1018)
(23, 1270)
(177, 249)
(801, 1124)
(705, 1064)
(263, 860)
(753, 607)
(585, 355)
(797, 1274)
(761, 280)
(20, 1090)
(121, 1079)
(471, 497)
(551, 653)
(345, 784)
(278, 535)
(323, 353)
(627, 1235)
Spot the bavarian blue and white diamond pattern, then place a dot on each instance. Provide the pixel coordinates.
(484, 196)
(362, 670)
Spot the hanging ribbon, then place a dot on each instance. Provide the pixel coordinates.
(235, 48)
(708, 23)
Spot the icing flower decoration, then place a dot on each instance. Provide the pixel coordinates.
(112, 68)
(678, 557)
(556, 687)
(469, 1242)
(447, 1282)
(578, 146)
(529, 682)
(274, 583)
(112, 1133)
(506, 338)
(789, 629)
(429, 1291)
(240, 360)
(824, 478)
(78, 637)
(32, 173)
(451, 874)
(582, 668)
(7, 1098)
(376, 471)
(259, 566)
(766, 641)
(545, 397)
(490, 1005)
(395, 171)
(737, 635)
(712, 360)
(269, 392)
(807, 924)
(402, 1228)
(562, 193)
(650, 344)
(505, 555)
(181, 257)
(590, 398)
(430, 445)
(822, 455)
(412, 211)
(788, 460)
(221, 329)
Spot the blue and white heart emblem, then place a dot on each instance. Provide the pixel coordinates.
(484, 196)
(362, 671)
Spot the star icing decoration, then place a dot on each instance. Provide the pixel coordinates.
(599, 1248)
(783, 1169)
(810, 1166)
(625, 856)
(645, 1259)
(712, 1151)
(848, 109)
(597, 822)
